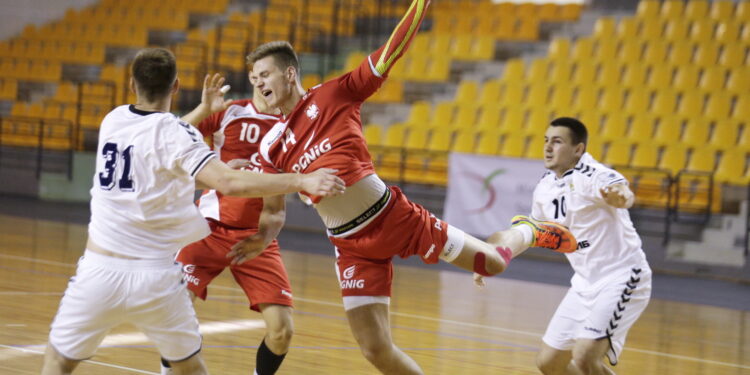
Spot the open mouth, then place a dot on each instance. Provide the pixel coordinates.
(266, 93)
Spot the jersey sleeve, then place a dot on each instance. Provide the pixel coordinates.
(184, 148)
(602, 178)
(211, 124)
(363, 81)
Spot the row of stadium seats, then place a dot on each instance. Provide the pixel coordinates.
(64, 51)
(701, 30)
(694, 9)
(729, 165)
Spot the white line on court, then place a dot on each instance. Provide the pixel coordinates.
(526, 333)
(41, 352)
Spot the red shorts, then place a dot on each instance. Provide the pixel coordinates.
(364, 259)
(263, 278)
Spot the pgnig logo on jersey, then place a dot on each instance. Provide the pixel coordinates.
(347, 282)
(187, 274)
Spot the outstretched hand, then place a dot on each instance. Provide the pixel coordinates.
(323, 182)
(213, 96)
(246, 249)
(617, 195)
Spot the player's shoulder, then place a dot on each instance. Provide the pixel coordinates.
(244, 109)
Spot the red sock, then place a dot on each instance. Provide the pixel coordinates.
(505, 253)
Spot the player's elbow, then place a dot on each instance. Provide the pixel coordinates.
(229, 184)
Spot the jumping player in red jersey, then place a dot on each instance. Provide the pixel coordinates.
(371, 223)
(235, 129)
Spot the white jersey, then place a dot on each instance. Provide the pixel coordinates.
(142, 196)
(608, 244)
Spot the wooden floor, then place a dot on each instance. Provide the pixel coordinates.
(439, 318)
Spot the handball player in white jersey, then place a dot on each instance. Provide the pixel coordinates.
(612, 282)
(142, 212)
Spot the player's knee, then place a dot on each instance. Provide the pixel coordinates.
(282, 335)
(488, 265)
(376, 351)
(548, 366)
(586, 364)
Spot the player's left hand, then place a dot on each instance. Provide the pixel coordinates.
(478, 280)
(239, 163)
(247, 249)
(616, 195)
(213, 97)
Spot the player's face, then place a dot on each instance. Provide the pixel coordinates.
(271, 81)
(560, 154)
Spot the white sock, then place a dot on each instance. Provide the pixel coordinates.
(166, 370)
(526, 233)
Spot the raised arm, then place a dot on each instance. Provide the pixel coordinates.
(618, 195)
(212, 100)
(217, 175)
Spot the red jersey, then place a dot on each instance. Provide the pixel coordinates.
(324, 130)
(235, 134)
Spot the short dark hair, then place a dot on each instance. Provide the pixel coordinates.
(282, 52)
(154, 71)
(577, 129)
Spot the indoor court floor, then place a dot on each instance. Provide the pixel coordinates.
(439, 317)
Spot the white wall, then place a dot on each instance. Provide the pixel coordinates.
(15, 14)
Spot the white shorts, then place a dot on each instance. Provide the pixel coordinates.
(606, 313)
(107, 291)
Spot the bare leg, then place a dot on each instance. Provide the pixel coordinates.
(551, 361)
(56, 364)
(493, 262)
(587, 358)
(191, 366)
(279, 327)
(371, 328)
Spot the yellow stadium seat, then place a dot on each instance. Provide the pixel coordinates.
(686, 78)
(440, 140)
(560, 72)
(416, 139)
(513, 120)
(669, 131)
(618, 153)
(702, 159)
(706, 55)
(394, 136)
(745, 36)
(738, 81)
(583, 49)
(731, 167)
(609, 74)
(651, 30)
(702, 31)
(513, 70)
(489, 118)
(489, 143)
(514, 145)
(691, 104)
(604, 28)
(466, 116)
(538, 93)
(562, 98)
(511, 93)
(722, 10)
(742, 12)
(569, 12)
(696, 133)
(538, 122)
(559, 49)
(310, 80)
(718, 106)
(681, 53)
(612, 100)
(605, 51)
(674, 158)
(466, 92)
(614, 127)
(656, 52)
(676, 30)
(595, 147)
(586, 97)
(627, 28)
(741, 110)
(732, 56)
(672, 9)
(538, 70)
(638, 100)
(696, 9)
(634, 76)
(489, 94)
(584, 73)
(535, 148)
(465, 141)
(373, 134)
(442, 115)
(420, 113)
(712, 79)
(648, 10)
(724, 135)
(630, 52)
(665, 102)
(528, 29)
(592, 120)
(727, 32)
(646, 155)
